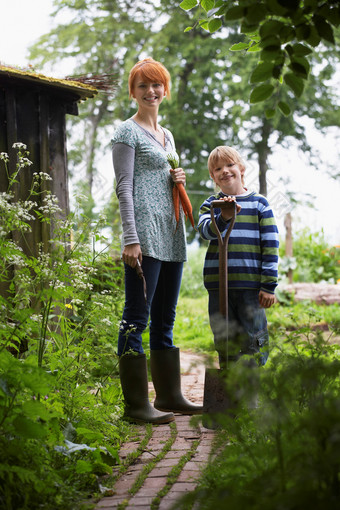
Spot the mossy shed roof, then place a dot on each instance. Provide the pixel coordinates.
(81, 90)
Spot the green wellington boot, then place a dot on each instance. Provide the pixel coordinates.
(134, 381)
(166, 378)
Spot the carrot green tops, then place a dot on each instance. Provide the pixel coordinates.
(144, 189)
(253, 245)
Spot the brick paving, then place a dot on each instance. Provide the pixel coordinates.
(190, 434)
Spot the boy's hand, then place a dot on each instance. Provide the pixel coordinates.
(266, 300)
(225, 213)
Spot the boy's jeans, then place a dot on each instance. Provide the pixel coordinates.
(246, 330)
(163, 281)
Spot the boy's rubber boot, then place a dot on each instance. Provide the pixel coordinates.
(134, 381)
(166, 378)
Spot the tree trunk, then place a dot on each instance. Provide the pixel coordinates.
(263, 151)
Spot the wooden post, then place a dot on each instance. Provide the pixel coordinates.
(289, 242)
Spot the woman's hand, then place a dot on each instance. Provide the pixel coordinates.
(178, 175)
(131, 253)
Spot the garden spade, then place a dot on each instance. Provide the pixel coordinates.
(216, 399)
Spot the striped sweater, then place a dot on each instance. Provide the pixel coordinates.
(252, 249)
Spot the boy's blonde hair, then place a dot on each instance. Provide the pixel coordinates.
(226, 155)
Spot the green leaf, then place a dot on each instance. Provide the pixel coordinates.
(301, 50)
(313, 39)
(35, 409)
(204, 23)
(323, 28)
(303, 31)
(330, 13)
(286, 34)
(89, 435)
(270, 43)
(273, 56)
(255, 47)
(247, 29)
(295, 83)
(270, 113)
(284, 108)
(239, 46)
(262, 72)
(270, 27)
(300, 66)
(256, 13)
(188, 29)
(276, 8)
(28, 428)
(261, 93)
(214, 25)
(207, 4)
(289, 4)
(83, 466)
(234, 13)
(186, 5)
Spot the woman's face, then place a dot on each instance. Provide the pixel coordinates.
(148, 94)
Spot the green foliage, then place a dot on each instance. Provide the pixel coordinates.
(60, 402)
(192, 280)
(314, 259)
(284, 33)
(285, 452)
(211, 86)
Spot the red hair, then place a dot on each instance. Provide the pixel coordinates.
(150, 70)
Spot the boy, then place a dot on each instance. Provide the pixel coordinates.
(252, 261)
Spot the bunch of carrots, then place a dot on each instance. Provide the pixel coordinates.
(179, 195)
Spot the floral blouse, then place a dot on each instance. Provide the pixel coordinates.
(144, 189)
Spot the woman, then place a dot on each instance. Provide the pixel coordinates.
(151, 240)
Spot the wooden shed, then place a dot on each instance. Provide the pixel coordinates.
(33, 110)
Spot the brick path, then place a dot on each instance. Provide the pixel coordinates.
(191, 448)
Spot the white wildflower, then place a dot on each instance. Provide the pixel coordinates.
(76, 301)
(25, 162)
(36, 317)
(50, 205)
(79, 196)
(107, 321)
(19, 145)
(57, 284)
(4, 157)
(16, 260)
(43, 176)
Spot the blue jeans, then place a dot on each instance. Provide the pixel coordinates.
(163, 281)
(245, 331)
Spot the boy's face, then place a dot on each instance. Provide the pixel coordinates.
(228, 176)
